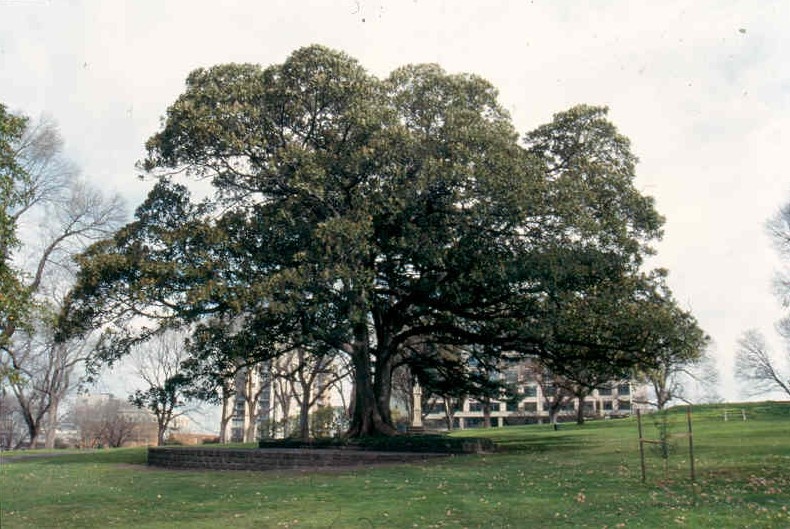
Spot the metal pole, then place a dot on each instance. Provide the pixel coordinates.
(641, 443)
(691, 447)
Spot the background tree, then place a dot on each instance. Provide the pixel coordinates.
(45, 374)
(364, 215)
(250, 386)
(309, 377)
(557, 392)
(13, 431)
(57, 216)
(212, 366)
(755, 364)
(106, 421)
(159, 365)
(403, 390)
(779, 230)
(680, 354)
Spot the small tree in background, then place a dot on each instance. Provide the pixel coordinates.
(106, 421)
(158, 364)
(679, 347)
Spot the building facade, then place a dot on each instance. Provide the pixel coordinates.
(268, 398)
(536, 403)
(267, 401)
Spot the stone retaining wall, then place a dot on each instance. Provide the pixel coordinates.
(273, 458)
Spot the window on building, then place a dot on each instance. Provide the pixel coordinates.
(605, 391)
(473, 423)
(237, 434)
(438, 407)
(511, 406)
(530, 390)
(624, 405)
(608, 405)
(530, 407)
(624, 389)
(475, 406)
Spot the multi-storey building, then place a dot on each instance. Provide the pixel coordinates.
(267, 397)
(266, 401)
(535, 396)
(534, 404)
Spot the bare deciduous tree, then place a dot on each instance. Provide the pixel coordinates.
(13, 431)
(310, 377)
(403, 389)
(779, 230)
(58, 215)
(692, 380)
(158, 363)
(755, 364)
(45, 374)
(103, 421)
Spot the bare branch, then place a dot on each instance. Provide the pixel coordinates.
(755, 365)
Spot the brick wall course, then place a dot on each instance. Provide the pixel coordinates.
(274, 459)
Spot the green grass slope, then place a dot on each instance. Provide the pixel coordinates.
(585, 476)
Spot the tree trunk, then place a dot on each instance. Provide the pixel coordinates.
(227, 415)
(449, 413)
(304, 414)
(367, 419)
(33, 426)
(662, 394)
(161, 428)
(252, 401)
(580, 409)
(383, 387)
(33, 434)
(52, 425)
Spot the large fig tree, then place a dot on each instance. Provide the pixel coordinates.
(379, 219)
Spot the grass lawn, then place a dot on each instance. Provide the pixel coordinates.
(575, 477)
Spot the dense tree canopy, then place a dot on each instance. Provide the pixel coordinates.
(386, 220)
(13, 296)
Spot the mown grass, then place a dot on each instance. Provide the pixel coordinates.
(575, 477)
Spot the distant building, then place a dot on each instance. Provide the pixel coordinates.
(536, 395)
(616, 400)
(266, 398)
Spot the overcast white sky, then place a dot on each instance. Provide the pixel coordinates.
(702, 88)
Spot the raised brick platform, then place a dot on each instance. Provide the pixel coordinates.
(275, 458)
